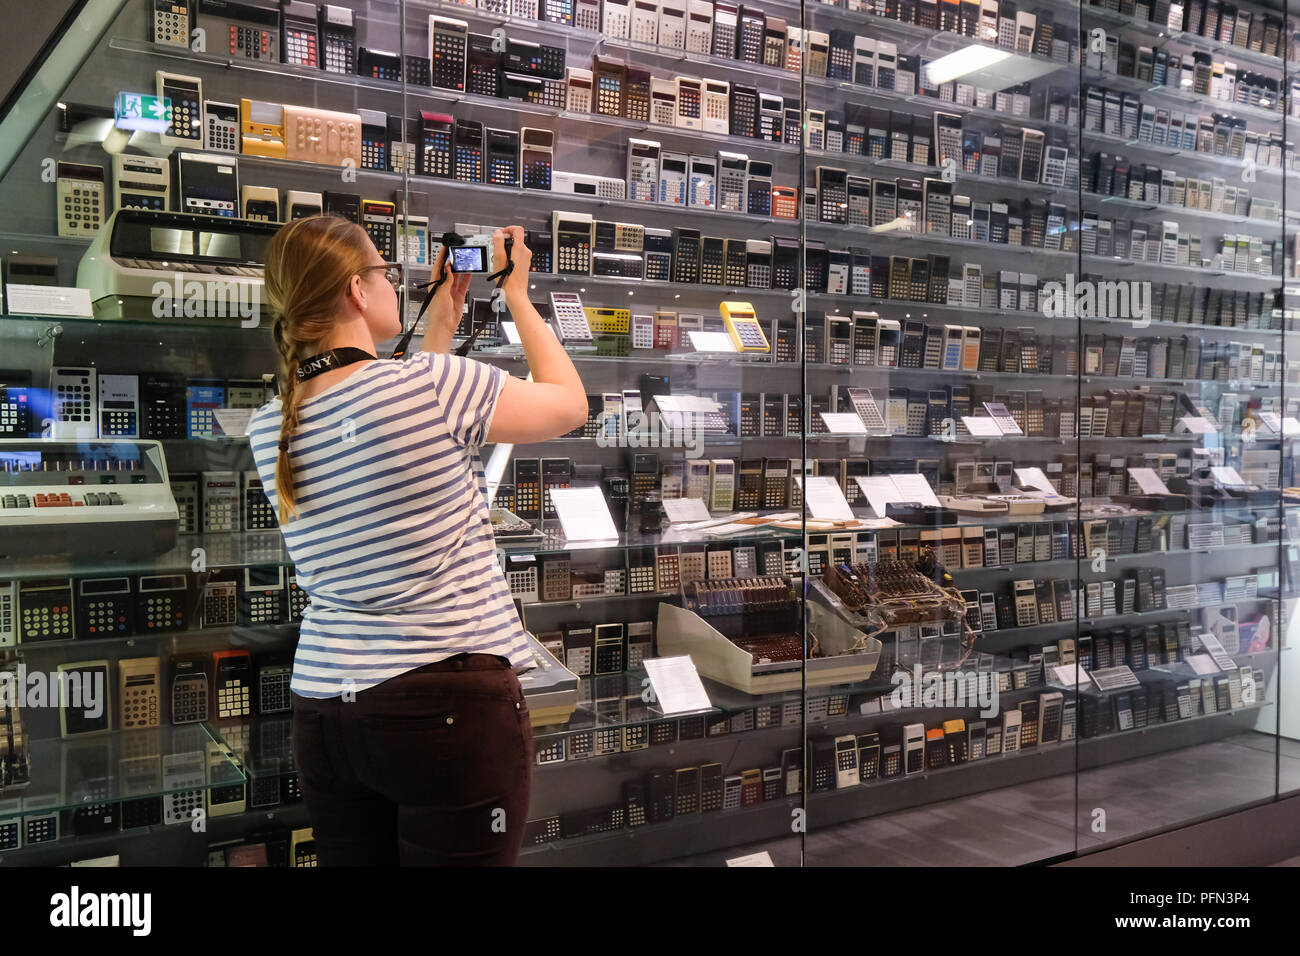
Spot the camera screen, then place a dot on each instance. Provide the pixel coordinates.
(468, 259)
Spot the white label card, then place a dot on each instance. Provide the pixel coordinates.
(752, 859)
(879, 491)
(1203, 664)
(47, 300)
(823, 498)
(685, 509)
(1148, 481)
(843, 423)
(233, 421)
(1226, 475)
(914, 487)
(676, 685)
(711, 341)
(1198, 425)
(1069, 675)
(981, 426)
(583, 514)
(1034, 478)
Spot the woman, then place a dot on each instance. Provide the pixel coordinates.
(410, 731)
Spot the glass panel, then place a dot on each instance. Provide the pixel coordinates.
(960, 221)
(1182, 176)
(937, 385)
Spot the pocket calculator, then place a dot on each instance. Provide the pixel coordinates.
(468, 150)
(261, 598)
(743, 326)
(185, 119)
(233, 670)
(189, 688)
(221, 126)
(436, 144)
(298, 36)
(569, 317)
(220, 602)
(184, 779)
(80, 199)
(448, 42)
(572, 236)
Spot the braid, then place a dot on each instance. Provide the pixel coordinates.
(308, 265)
(284, 484)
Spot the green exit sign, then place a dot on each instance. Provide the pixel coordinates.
(142, 111)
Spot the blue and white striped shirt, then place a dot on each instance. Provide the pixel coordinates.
(392, 542)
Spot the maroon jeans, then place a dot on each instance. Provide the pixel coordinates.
(430, 768)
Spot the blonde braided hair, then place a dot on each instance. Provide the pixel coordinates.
(309, 263)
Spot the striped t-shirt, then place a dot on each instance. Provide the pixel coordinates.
(392, 541)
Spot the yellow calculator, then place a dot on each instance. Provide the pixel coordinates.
(609, 321)
(743, 326)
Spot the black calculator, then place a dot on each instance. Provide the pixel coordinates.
(469, 151)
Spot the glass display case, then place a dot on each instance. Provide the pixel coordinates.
(939, 395)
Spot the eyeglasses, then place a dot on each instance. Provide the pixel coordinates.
(392, 272)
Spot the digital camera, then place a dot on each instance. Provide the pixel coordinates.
(468, 253)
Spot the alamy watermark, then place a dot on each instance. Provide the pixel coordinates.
(208, 299)
(1089, 299)
(653, 430)
(72, 689)
(945, 689)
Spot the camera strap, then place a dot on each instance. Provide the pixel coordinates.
(500, 278)
(330, 360)
(432, 287)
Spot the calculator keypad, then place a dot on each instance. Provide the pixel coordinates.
(575, 257)
(190, 700)
(219, 605)
(46, 622)
(252, 43)
(340, 56)
(300, 47)
(469, 164)
(185, 115)
(81, 206)
(448, 67)
(140, 707)
(233, 699)
(73, 403)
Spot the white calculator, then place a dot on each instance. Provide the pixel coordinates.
(570, 318)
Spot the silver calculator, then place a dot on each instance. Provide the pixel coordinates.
(570, 319)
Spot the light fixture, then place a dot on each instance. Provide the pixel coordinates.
(960, 62)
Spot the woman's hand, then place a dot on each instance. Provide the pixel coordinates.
(449, 301)
(516, 284)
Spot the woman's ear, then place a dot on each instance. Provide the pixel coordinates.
(356, 294)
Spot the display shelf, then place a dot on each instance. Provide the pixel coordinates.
(1028, 753)
(1137, 558)
(698, 832)
(1157, 32)
(1016, 636)
(117, 765)
(1229, 164)
(189, 635)
(1137, 206)
(1171, 94)
(220, 550)
(439, 95)
(1252, 278)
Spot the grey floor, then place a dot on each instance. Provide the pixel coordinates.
(1037, 820)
